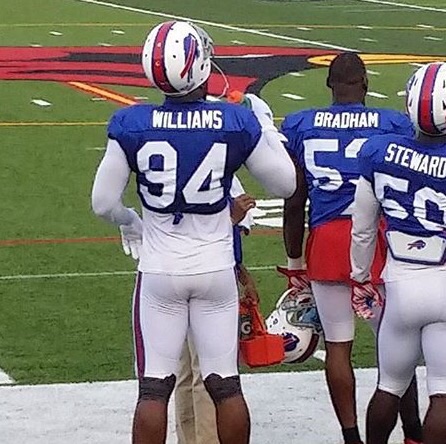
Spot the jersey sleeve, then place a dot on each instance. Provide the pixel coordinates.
(402, 125)
(251, 131)
(116, 130)
(115, 126)
(365, 160)
(294, 145)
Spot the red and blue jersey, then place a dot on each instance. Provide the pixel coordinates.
(409, 180)
(325, 143)
(184, 155)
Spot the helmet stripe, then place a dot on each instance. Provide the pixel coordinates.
(190, 58)
(425, 109)
(158, 66)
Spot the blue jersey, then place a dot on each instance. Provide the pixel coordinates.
(409, 180)
(238, 252)
(326, 142)
(185, 154)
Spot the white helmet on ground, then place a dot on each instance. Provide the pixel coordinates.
(297, 320)
(177, 57)
(426, 99)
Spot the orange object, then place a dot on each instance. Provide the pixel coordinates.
(235, 97)
(328, 252)
(260, 349)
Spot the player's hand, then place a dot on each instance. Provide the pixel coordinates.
(248, 290)
(297, 279)
(131, 236)
(250, 294)
(365, 296)
(241, 205)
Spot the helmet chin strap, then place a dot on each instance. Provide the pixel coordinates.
(225, 79)
(223, 93)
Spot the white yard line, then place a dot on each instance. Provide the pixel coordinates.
(101, 412)
(377, 95)
(41, 102)
(293, 96)
(24, 277)
(320, 354)
(405, 5)
(5, 379)
(212, 98)
(217, 25)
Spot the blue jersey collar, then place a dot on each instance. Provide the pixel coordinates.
(172, 102)
(348, 105)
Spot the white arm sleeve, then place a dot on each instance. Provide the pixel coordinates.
(364, 231)
(110, 182)
(271, 165)
(236, 188)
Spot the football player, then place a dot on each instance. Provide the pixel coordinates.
(184, 154)
(194, 410)
(405, 179)
(325, 144)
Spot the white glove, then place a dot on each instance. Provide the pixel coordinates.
(131, 236)
(261, 110)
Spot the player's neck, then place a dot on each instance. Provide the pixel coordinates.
(194, 96)
(429, 140)
(348, 100)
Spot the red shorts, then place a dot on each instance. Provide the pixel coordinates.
(328, 252)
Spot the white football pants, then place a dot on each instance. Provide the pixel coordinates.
(165, 306)
(333, 301)
(413, 325)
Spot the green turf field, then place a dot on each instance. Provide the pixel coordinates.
(65, 305)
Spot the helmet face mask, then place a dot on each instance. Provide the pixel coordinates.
(207, 42)
(426, 99)
(176, 57)
(295, 318)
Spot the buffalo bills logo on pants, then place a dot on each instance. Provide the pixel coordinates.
(418, 244)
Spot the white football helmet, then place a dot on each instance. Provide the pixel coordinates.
(426, 99)
(297, 320)
(177, 57)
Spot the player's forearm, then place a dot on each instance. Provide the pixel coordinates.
(364, 231)
(271, 165)
(109, 184)
(293, 229)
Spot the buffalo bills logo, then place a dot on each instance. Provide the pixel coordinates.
(191, 53)
(418, 244)
(290, 341)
